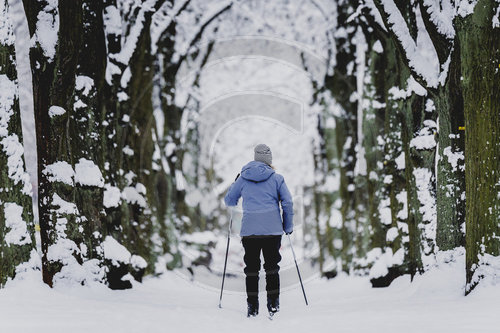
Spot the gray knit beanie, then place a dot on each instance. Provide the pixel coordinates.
(263, 154)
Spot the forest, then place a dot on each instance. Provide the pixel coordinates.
(114, 159)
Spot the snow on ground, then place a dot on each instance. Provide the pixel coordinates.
(432, 303)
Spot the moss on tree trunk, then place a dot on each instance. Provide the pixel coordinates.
(480, 52)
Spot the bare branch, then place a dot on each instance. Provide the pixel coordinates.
(183, 7)
(198, 74)
(199, 34)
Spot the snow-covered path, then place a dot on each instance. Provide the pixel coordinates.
(433, 303)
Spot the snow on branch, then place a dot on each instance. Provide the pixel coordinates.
(130, 42)
(465, 7)
(419, 54)
(496, 17)
(441, 14)
(439, 24)
(163, 18)
(370, 8)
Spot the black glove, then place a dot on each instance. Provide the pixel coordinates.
(288, 233)
(238, 176)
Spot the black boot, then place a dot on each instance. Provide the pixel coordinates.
(253, 308)
(273, 304)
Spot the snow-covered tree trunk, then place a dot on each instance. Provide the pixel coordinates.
(402, 21)
(317, 210)
(448, 102)
(415, 159)
(331, 203)
(56, 29)
(450, 165)
(479, 36)
(87, 124)
(128, 143)
(342, 86)
(66, 76)
(324, 209)
(175, 207)
(16, 216)
(362, 229)
(375, 95)
(393, 181)
(383, 146)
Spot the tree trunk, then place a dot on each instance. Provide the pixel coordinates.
(480, 53)
(447, 99)
(450, 165)
(86, 124)
(128, 145)
(53, 86)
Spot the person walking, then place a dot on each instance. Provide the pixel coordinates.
(262, 190)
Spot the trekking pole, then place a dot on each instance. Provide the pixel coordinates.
(225, 260)
(298, 272)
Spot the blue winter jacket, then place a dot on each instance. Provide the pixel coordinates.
(262, 190)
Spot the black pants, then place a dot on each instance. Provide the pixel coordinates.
(270, 246)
